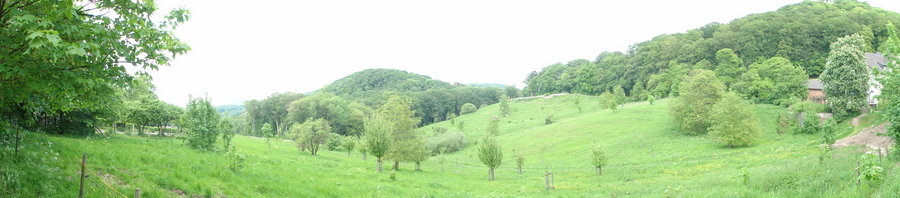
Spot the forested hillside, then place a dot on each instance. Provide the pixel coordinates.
(372, 82)
(800, 33)
(346, 102)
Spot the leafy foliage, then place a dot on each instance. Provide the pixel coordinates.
(774, 81)
(889, 100)
(334, 142)
(201, 123)
(729, 66)
(345, 118)
(467, 108)
(846, 76)
(378, 137)
(407, 142)
(445, 143)
(490, 154)
(493, 126)
(693, 109)
(313, 134)
(734, 122)
(598, 158)
(349, 143)
(66, 60)
(504, 105)
(800, 33)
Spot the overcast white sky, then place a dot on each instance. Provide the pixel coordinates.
(250, 49)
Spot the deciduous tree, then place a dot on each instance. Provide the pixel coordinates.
(378, 137)
(404, 136)
(313, 134)
(201, 123)
(729, 66)
(693, 109)
(70, 57)
(598, 158)
(846, 76)
(490, 154)
(734, 122)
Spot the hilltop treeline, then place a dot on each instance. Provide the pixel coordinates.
(349, 100)
(800, 33)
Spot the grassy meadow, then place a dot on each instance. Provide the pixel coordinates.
(648, 157)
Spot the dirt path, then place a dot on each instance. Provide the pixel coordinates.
(866, 137)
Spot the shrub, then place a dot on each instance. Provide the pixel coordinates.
(446, 142)
(235, 159)
(438, 130)
(467, 108)
(333, 143)
(786, 122)
(811, 123)
(548, 120)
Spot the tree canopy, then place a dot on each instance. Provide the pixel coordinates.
(800, 33)
(846, 76)
(68, 59)
(693, 109)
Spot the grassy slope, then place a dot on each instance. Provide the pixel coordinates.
(648, 156)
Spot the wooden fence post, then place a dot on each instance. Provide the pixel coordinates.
(137, 193)
(857, 172)
(81, 188)
(548, 181)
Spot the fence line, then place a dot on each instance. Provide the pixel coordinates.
(83, 167)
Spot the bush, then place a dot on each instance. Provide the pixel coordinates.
(446, 143)
(811, 123)
(333, 143)
(438, 130)
(786, 121)
(467, 108)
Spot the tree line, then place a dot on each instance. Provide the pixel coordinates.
(799, 33)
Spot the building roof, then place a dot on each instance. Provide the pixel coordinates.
(814, 84)
(876, 60)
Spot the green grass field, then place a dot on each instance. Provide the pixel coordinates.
(648, 157)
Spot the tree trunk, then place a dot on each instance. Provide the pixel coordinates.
(599, 170)
(348, 153)
(114, 127)
(17, 141)
(520, 170)
(364, 156)
(418, 167)
(396, 165)
(491, 174)
(378, 164)
(800, 119)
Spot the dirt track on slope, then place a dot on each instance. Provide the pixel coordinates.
(867, 137)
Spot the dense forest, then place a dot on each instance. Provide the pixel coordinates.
(800, 33)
